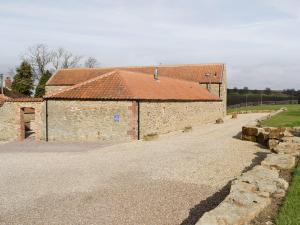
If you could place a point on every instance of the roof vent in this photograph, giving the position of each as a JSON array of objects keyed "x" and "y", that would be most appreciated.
[{"x": 156, "y": 73}]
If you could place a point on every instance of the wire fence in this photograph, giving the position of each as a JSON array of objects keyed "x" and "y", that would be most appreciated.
[{"x": 246, "y": 104}]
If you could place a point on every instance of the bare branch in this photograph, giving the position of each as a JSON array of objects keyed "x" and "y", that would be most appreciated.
[
  {"x": 64, "y": 59},
  {"x": 39, "y": 57},
  {"x": 91, "y": 62}
]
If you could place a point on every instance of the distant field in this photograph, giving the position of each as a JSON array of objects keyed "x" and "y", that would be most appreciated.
[
  {"x": 234, "y": 98},
  {"x": 258, "y": 107},
  {"x": 290, "y": 118}
]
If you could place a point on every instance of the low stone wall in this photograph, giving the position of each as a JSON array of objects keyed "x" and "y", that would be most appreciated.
[
  {"x": 10, "y": 120},
  {"x": 254, "y": 191}
]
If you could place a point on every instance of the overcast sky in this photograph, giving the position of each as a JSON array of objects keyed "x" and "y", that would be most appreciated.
[{"x": 259, "y": 40}]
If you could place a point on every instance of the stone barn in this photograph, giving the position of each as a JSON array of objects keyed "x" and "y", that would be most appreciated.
[{"x": 120, "y": 104}]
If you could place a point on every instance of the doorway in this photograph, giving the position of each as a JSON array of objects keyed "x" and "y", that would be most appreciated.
[{"x": 27, "y": 123}]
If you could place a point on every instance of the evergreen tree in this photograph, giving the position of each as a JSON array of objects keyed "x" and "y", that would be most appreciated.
[
  {"x": 23, "y": 80},
  {"x": 40, "y": 89}
]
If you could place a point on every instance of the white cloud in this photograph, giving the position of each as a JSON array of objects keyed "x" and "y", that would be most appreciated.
[{"x": 258, "y": 39}]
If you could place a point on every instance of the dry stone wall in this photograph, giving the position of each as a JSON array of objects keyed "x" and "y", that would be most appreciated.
[
  {"x": 255, "y": 190},
  {"x": 91, "y": 120},
  {"x": 164, "y": 117}
]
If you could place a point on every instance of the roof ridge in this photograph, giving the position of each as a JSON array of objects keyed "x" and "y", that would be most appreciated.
[
  {"x": 148, "y": 66},
  {"x": 82, "y": 83},
  {"x": 129, "y": 92},
  {"x": 159, "y": 77}
]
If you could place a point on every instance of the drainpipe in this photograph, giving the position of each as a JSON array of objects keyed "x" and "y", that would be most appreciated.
[
  {"x": 138, "y": 121},
  {"x": 46, "y": 120},
  {"x": 1, "y": 78}
]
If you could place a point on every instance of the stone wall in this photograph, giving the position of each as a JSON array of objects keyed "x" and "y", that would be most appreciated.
[
  {"x": 219, "y": 90},
  {"x": 164, "y": 117},
  {"x": 11, "y": 120},
  {"x": 104, "y": 120},
  {"x": 91, "y": 120},
  {"x": 52, "y": 89},
  {"x": 224, "y": 89}
]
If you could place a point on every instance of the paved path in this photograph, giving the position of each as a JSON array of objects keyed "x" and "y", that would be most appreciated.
[{"x": 137, "y": 183}]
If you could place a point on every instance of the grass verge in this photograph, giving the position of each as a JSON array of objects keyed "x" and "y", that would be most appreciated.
[
  {"x": 289, "y": 214},
  {"x": 258, "y": 108},
  {"x": 290, "y": 118}
]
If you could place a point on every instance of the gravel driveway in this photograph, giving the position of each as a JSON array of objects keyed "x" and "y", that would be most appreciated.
[{"x": 137, "y": 183}]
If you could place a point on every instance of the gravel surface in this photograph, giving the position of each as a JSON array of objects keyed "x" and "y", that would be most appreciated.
[{"x": 138, "y": 183}]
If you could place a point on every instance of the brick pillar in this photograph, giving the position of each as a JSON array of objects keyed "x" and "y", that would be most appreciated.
[{"x": 133, "y": 121}]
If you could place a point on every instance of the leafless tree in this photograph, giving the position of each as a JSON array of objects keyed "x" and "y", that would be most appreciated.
[
  {"x": 91, "y": 62},
  {"x": 11, "y": 72},
  {"x": 62, "y": 58},
  {"x": 39, "y": 57}
]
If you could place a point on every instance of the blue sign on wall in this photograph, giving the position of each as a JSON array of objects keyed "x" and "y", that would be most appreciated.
[{"x": 117, "y": 117}]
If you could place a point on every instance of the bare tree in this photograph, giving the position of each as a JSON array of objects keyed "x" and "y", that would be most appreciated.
[
  {"x": 62, "y": 58},
  {"x": 91, "y": 62},
  {"x": 39, "y": 57}
]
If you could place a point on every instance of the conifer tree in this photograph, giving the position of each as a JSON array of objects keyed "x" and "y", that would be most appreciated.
[
  {"x": 40, "y": 89},
  {"x": 23, "y": 80}
]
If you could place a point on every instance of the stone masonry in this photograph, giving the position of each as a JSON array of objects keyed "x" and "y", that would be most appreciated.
[
  {"x": 164, "y": 117},
  {"x": 90, "y": 120},
  {"x": 105, "y": 120},
  {"x": 11, "y": 120}
]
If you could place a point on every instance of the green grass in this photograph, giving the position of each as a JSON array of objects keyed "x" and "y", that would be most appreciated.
[
  {"x": 258, "y": 107},
  {"x": 290, "y": 118},
  {"x": 289, "y": 213}
]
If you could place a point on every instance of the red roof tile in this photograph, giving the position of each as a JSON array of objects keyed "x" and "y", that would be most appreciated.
[
  {"x": 11, "y": 94},
  {"x": 186, "y": 72},
  {"x": 125, "y": 85},
  {"x": 24, "y": 100}
]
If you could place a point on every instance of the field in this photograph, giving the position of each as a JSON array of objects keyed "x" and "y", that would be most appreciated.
[
  {"x": 290, "y": 118},
  {"x": 240, "y": 97}
]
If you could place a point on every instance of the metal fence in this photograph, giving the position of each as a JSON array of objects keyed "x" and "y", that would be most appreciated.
[{"x": 283, "y": 102}]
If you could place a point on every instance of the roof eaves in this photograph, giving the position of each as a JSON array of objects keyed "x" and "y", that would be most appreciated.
[{"x": 135, "y": 99}]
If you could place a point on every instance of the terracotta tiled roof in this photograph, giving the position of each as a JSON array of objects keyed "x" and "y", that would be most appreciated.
[
  {"x": 24, "y": 100},
  {"x": 2, "y": 99},
  {"x": 11, "y": 94},
  {"x": 186, "y": 72},
  {"x": 126, "y": 85}
]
